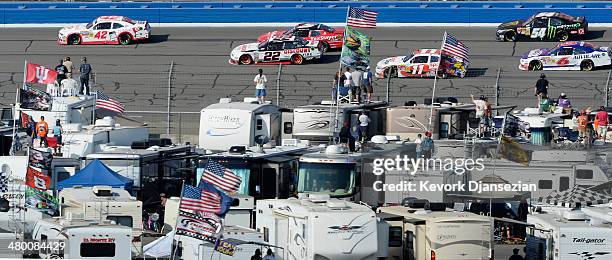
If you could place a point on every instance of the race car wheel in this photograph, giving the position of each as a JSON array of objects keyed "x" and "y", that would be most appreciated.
[
  {"x": 535, "y": 65},
  {"x": 125, "y": 39},
  {"x": 587, "y": 65},
  {"x": 297, "y": 59},
  {"x": 510, "y": 36},
  {"x": 391, "y": 71},
  {"x": 324, "y": 47},
  {"x": 74, "y": 39},
  {"x": 562, "y": 36},
  {"x": 245, "y": 59}
]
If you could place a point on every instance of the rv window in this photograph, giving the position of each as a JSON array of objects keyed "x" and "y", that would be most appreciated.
[
  {"x": 122, "y": 220},
  {"x": 395, "y": 236},
  {"x": 545, "y": 184},
  {"x": 259, "y": 124},
  {"x": 62, "y": 176},
  {"x": 98, "y": 250},
  {"x": 43, "y": 237},
  {"x": 288, "y": 128},
  {"x": 564, "y": 183},
  {"x": 584, "y": 174}
]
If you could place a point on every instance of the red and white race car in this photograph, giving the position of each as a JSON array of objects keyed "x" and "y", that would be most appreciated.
[
  {"x": 106, "y": 30},
  {"x": 422, "y": 63},
  {"x": 292, "y": 50},
  {"x": 330, "y": 38}
]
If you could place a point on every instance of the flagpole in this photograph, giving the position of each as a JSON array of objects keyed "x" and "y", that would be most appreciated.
[
  {"x": 433, "y": 92},
  {"x": 16, "y": 109},
  {"x": 176, "y": 222},
  {"x": 335, "y": 125}
]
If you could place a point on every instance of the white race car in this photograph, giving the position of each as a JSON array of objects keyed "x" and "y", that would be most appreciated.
[
  {"x": 566, "y": 56},
  {"x": 422, "y": 63},
  {"x": 106, "y": 30},
  {"x": 292, "y": 50}
]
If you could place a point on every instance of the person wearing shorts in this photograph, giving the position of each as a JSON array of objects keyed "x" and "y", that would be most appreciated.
[
  {"x": 260, "y": 86},
  {"x": 602, "y": 118},
  {"x": 367, "y": 84}
]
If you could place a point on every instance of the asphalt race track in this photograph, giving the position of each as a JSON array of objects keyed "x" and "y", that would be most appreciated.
[{"x": 138, "y": 74}]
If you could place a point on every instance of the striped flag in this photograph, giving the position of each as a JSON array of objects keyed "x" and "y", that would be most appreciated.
[
  {"x": 197, "y": 199},
  {"x": 361, "y": 18},
  {"x": 221, "y": 177},
  {"x": 105, "y": 102},
  {"x": 454, "y": 47}
]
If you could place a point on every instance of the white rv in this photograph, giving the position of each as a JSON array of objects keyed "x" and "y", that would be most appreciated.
[
  {"x": 69, "y": 110},
  {"x": 228, "y": 124},
  {"x": 570, "y": 236},
  {"x": 246, "y": 241},
  {"x": 83, "y": 239},
  {"x": 419, "y": 234},
  {"x": 103, "y": 203},
  {"x": 318, "y": 227}
]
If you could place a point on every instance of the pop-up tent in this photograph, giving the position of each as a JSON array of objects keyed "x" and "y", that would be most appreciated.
[{"x": 97, "y": 174}]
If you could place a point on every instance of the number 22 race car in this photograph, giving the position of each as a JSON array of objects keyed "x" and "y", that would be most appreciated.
[
  {"x": 566, "y": 56},
  {"x": 330, "y": 38},
  {"x": 106, "y": 30},
  {"x": 292, "y": 50}
]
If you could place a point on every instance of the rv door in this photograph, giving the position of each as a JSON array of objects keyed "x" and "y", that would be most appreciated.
[{"x": 262, "y": 126}]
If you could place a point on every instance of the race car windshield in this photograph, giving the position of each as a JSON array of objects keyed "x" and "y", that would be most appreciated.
[
  {"x": 530, "y": 19},
  {"x": 128, "y": 20},
  {"x": 289, "y": 32},
  {"x": 301, "y": 42},
  {"x": 262, "y": 45},
  {"x": 89, "y": 25},
  {"x": 326, "y": 28},
  {"x": 407, "y": 57}
]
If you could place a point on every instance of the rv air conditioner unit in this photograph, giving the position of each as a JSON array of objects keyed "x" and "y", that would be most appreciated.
[
  {"x": 251, "y": 100},
  {"x": 140, "y": 145},
  {"x": 237, "y": 150},
  {"x": 225, "y": 100},
  {"x": 107, "y": 121},
  {"x": 574, "y": 215},
  {"x": 414, "y": 203},
  {"x": 435, "y": 206}
]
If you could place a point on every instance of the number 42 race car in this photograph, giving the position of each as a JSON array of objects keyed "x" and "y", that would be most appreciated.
[
  {"x": 106, "y": 30},
  {"x": 292, "y": 50},
  {"x": 566, "y": 56}
]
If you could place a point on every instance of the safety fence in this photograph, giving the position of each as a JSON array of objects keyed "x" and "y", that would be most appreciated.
[{"x": 294, "y": 11}]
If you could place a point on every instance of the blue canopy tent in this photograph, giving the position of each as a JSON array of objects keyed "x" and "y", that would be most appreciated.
[{"x": 97, "y": 174}]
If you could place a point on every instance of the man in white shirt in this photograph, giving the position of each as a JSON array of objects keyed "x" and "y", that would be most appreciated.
[
  {"x": 357, "y": 77},
  {"x": 348, "y": 78},
  {"x": 70, "y": 86},
  {"x": 364, "y": 121},
  {"x": 260, "y": 86}
]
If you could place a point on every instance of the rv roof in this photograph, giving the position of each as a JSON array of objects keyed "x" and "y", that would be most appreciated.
[
  {"x": 349, "y": 106},
  {"x": 303, "y": 206},
  {"x": 125, "y": 152},
  {"x": 267, "y": 153},
  {"x": 435, "y": 216},
  {"x": 239, "y": 106},
  {"x": 555, "y": 220},
  {"x": 63, "y": 222},
  {"x": 85, "y": 194}
]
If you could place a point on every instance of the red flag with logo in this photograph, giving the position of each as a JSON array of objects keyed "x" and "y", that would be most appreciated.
[
  {"x": 39, "y": 74},
  {"x": 37, "y": 179}
]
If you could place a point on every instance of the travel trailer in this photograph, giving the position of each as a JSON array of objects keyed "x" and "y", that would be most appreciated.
[
  {"x": 226, "y": 124},
  {"x": 83, "y": 239},
  {"x": 570, "y": 236},
  {"x": 439, "y": 233},
  {"x": 103, "y": 203},
  {"x": 318, "y": 227},
  {"x": 317, "y": 122}
]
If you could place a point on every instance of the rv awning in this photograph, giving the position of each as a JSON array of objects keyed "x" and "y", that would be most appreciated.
[{"x": 576, "y": 196}]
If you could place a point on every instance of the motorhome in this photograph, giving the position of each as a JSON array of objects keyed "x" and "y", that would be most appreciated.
[
  {"x": 103, "y": 203},
  {"x": 318, "y": 227},
  {"x": 439, "y": 233},
  {"x": 239, "y": 214},
  {"x": 570, "y": 236},
  {"x": 69, "y": 110},
  {"x": 248, "y": 124},
  {"x": 83, "y": 239},
  {"x": 246, "y": 241},
  {"x": 320, "y": 122}
]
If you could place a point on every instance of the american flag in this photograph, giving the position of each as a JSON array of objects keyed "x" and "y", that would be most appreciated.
[
  {"x": 361, "y": 18},
  {"x": 197, "y": 199},
  {"x": 454, "y": 47},
  {"x": 221, "y": 177},
  {"x": 105, "y": 102}
]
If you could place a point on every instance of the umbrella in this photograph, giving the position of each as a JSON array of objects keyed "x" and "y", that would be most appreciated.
[{"x": 576, "y": 196}]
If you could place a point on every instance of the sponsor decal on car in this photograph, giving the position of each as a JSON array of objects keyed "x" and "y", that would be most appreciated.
[{"x": 299, "y": 50}]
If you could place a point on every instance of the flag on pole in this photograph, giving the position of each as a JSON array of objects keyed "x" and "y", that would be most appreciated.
[
  {"x": 105, "y": 102},
  {"x": 198, "y": 199},
  {"x": 203, "y": 227},
  {"x": 221, "y": 177},
  {"x": 453, "y": 47},
  {"x": 36, "y": 73},
  {"x": 361, "y": 18}
]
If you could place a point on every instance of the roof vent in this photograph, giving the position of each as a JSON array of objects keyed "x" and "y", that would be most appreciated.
[
  {"x": 336, "y": 149},
  {"x": 251, "y": 100},
  {"x": 574, "y": 215},
  {"x": 318, "y": 197},
  {"x": 337, "y": 204}
]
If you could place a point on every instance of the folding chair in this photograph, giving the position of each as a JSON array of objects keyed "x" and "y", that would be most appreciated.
[
  {"x": 52, "y": 89},
  {"x": 473, "y": 127},
  {"x": 344, "y": 94}
]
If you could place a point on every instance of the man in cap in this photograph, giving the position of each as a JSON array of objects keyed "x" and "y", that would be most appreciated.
[
  {"x": 85, "y": 70},
  {"x": 541, "y": 87}
]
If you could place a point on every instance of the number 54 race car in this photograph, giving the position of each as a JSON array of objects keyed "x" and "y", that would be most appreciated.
[
  {"x": 422, "y": 63},
  {"x": 566, "y": 56},
  {"x": 547, "y": 25},
  {"x": 106, "y": 30},
  {"x": 276, "y": 51}
]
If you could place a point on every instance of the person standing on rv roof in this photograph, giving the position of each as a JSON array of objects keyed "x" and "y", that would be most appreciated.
[
  {"x": 418, "y": 142},
  {"x": 42, "y": 128},
  {"x": 69, "y": 67},
  {"x": 367, "y": 84},
  {"x": 348, "y": 80},
  {"x": 346, "y": 137},
  {"x": 541, "y": 87},
  {"x": 257, "y": 255},
  {"x": 61, "y": 72},
  {"x": 564, "y": 103},
  {"x": 269, "y": 255},
  {"x": 260, "y": 86},
  {"x": 582, "y": 121},
  {"x": 57, "y": 133},
  {"x": 357, "y": 77},
  {"x": 85, "y": 70},
  {"x": 481, "y": 111},
  {"x": 602, "y": 118},
  {"x": 364, "y": 121},
  {"x": 427, "y": 145}
]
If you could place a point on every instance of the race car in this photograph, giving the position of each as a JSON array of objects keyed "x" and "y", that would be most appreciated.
[
  {"x": 105, "y": 30},
  {"x": 329, "y": 37},
  {"x": 422, "y": 63},
  {"x": 548, "y": 25},
  {"x": 293, "y": 50},
  {"x": 566, "y": 56}
]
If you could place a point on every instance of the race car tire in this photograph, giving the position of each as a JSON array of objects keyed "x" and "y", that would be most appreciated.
[
  {"x": 125, "y": 39},
  {"x": 391, "y": 71},
  {"x": 535, "y": 65},
  {"x": 245, "y": 59},
  {"x": 324, "y": 47},
  {"x": 510, "y": 36},
  {"x": 562, "y": 36},
  {"x": 297, "y": 59},
  {"x": 74, "y": 39},
  {"x": 587, "y": 65}
]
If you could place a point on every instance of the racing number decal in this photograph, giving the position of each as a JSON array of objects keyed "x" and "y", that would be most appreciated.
[
  {"x": 418, "y": 69},
  {"x": 538, "y": 32},
  {"x": 272, "y": 56},
  {"x": 101, "y": 35}
]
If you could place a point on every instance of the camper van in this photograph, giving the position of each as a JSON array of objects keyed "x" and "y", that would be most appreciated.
[
  {"x": 570, "y": 236},
  {"x": 248, "y": 123},
  {"x": 440, "y": 233},
  {"x": 103, "y": 203},
  {"x": 318, "y": 227},
  {"x": 83, "y": 239},
  {"x": 317, "y": 123}
]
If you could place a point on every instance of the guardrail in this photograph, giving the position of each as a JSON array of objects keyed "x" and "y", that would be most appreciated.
[{"x": 289, "y": 12}]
